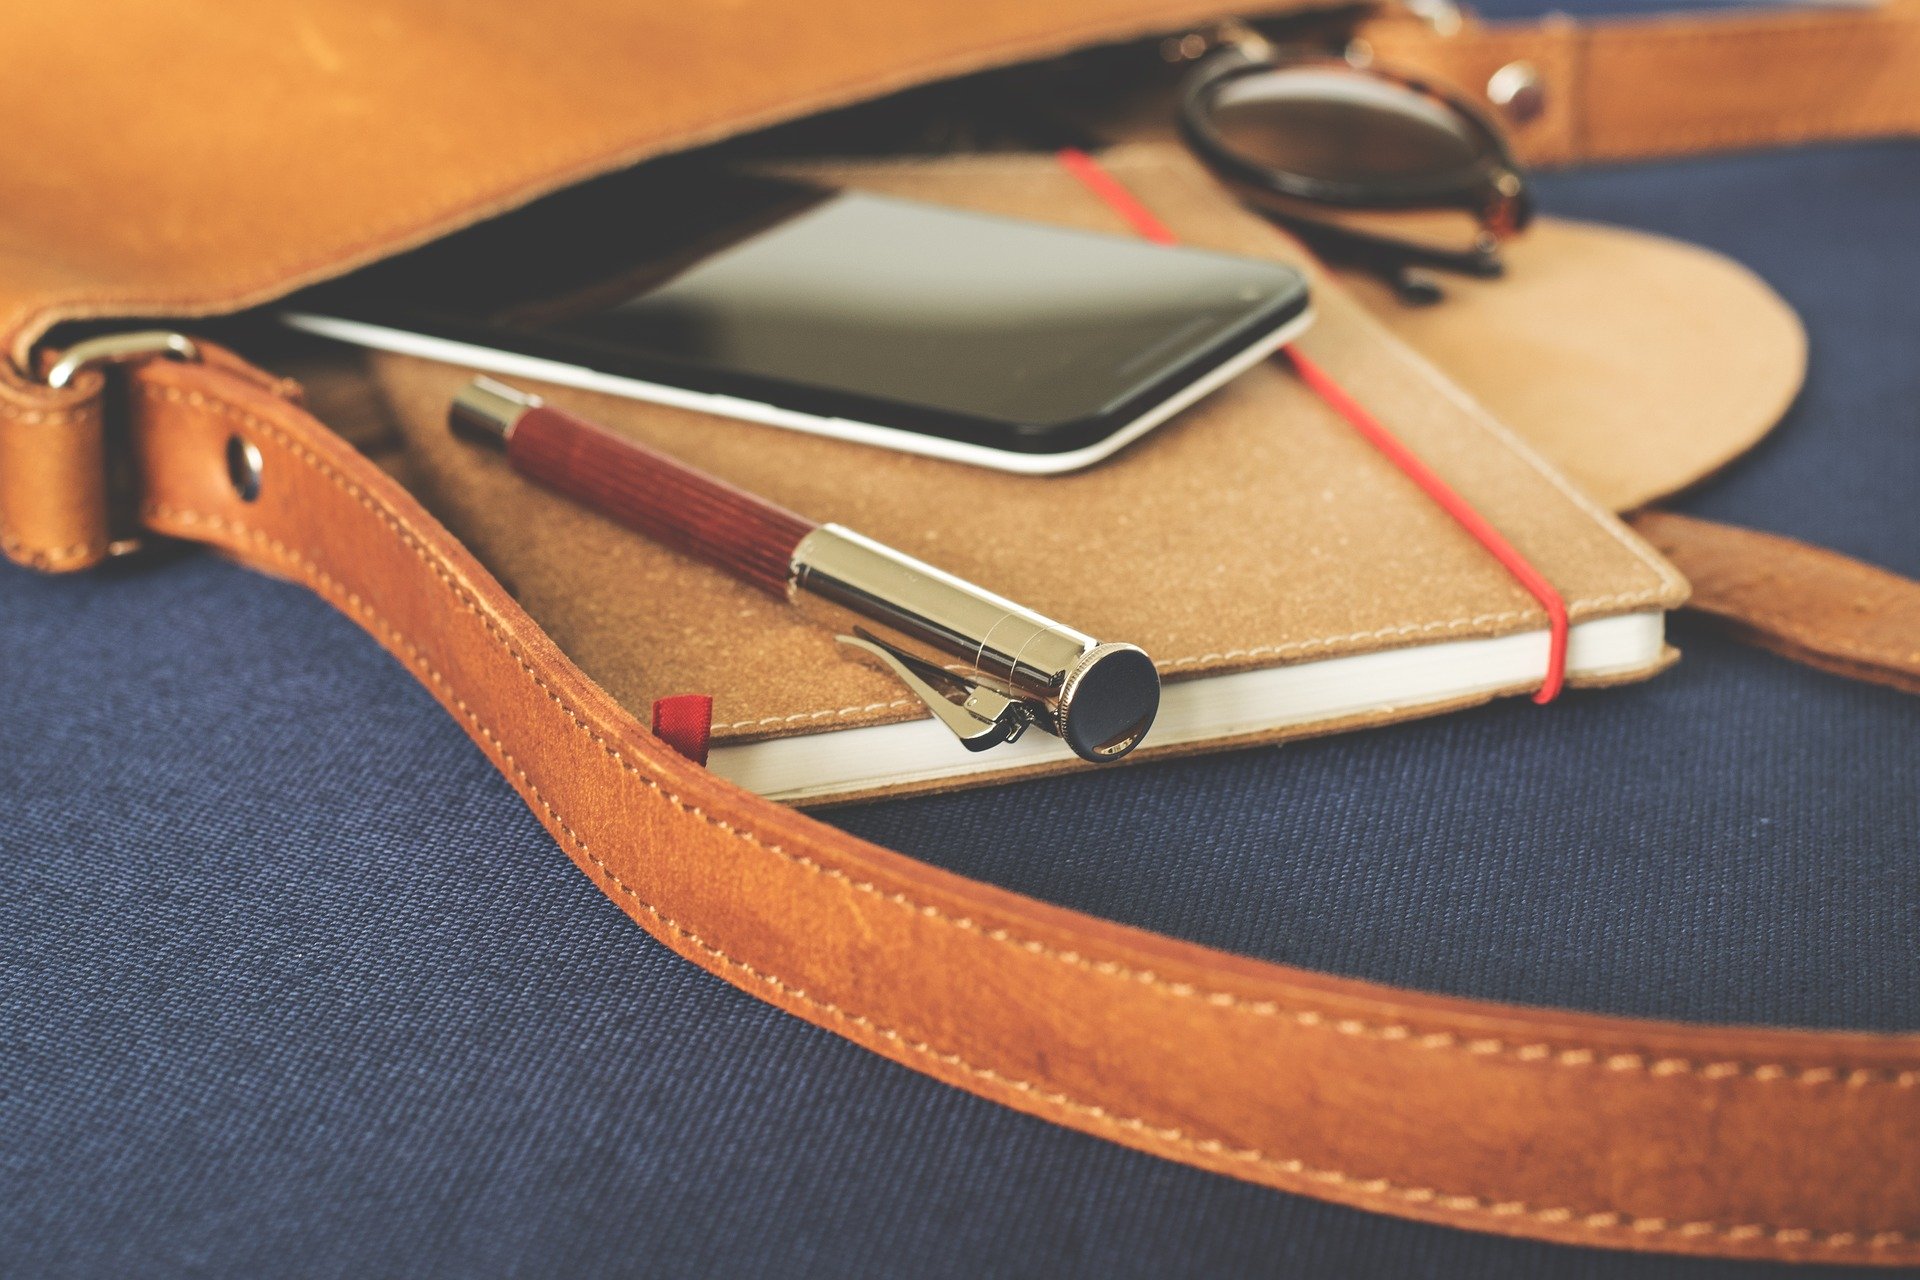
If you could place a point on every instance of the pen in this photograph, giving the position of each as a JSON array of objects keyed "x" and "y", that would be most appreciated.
[{"x": 987, "y": 668}]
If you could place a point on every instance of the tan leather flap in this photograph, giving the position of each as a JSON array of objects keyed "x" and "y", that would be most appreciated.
[{"x": 197, "y": 157}]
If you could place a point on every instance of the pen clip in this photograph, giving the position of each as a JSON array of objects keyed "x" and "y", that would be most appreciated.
[{"x": 978, "y": 716}]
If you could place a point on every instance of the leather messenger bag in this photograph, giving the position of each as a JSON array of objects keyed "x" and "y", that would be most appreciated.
[{"x": 151, "y": 173}]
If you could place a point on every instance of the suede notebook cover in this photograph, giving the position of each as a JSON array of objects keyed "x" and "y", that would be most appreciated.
[{"x": 1256, "y": 530}]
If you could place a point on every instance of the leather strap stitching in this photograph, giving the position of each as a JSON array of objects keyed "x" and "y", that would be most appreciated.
[
  {"x": 42, "y": 417},
  {"x": 1576, "y": 1056},
  {"x": 1379, "y": 1188},
  {"x": 23, "y": 550},
  {"x": 18, "y": 549}
]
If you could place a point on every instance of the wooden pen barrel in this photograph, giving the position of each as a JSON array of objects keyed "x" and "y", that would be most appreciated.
[{"x": 659, "y": 496}]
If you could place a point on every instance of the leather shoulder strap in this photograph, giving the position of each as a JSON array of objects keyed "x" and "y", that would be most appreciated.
[
  {"x": 1567, "y": 1127},
  {"x": 1803, "y": 602},
  {"x": 1673, "y": 85}
]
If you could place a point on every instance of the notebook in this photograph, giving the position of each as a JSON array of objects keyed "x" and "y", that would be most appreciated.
[{"x": 1287, "y": 578}]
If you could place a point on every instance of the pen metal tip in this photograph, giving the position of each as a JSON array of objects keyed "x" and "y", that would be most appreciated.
[{"x": 486, "y": 409}]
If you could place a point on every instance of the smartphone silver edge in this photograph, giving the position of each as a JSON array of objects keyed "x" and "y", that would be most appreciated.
[{"x": 491, "y": 360}]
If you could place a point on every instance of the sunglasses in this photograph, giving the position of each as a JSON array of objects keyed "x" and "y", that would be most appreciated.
[{"x": 1369, "y": 168}]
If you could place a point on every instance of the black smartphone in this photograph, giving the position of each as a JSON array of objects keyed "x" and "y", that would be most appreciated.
[{"x": 981, "y": 339}]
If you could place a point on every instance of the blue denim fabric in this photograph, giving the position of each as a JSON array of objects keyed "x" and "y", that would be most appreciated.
[
  {"x": 291, "y": 983},
  {"x": 1734, "y": 841}
]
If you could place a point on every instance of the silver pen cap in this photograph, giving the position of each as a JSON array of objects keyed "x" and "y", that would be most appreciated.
[{"x": 994, "y": 664}]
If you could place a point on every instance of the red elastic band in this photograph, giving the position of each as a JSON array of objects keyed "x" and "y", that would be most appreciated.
[
  {"x": 1143, "y": 220},
  {"x": 685, "y": 723},
  {"x": 1454, "y": 505},
  {"x": 1123, "y": 202}
]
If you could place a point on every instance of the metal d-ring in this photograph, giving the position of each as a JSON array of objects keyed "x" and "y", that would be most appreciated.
[{"x": 118, "y": 348}]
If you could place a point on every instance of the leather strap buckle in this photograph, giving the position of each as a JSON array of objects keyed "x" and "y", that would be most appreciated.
[{"x": 115, "y": 480}]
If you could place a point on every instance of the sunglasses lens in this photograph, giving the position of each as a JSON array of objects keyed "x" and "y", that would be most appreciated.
[{"x": 1335, "y": 124}]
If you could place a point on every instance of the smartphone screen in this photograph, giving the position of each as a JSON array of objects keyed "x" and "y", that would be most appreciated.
[{"x": 1000, "y": 332}]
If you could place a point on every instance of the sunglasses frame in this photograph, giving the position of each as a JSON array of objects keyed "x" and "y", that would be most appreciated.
[{"x": 1491, "y": 188}]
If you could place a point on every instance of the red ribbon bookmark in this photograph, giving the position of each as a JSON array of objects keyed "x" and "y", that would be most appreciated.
[
  {"x": 1148, "y": 224},
  {"x": 685, "y": 723}
]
